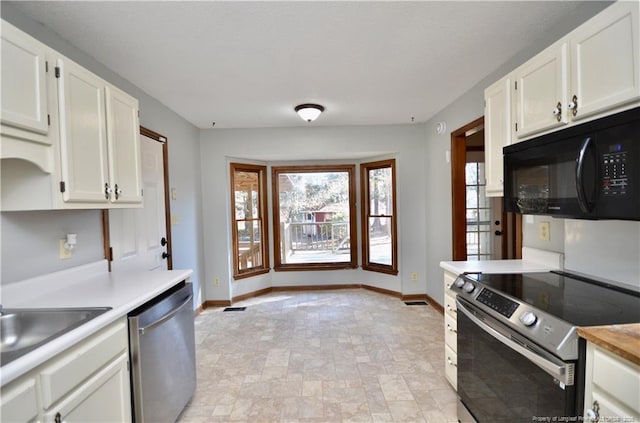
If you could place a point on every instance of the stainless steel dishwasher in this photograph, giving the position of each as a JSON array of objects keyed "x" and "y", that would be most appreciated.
[{"x": 162, "y": 349}]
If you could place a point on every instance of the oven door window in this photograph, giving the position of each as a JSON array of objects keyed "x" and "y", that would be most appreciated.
[{"x": 498, "y": 385}]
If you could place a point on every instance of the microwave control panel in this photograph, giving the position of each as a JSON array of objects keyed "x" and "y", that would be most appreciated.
[{"x": 615, "y": 178}]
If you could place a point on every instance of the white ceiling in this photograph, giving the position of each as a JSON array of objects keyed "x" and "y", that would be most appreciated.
[{"x": 247, "y": 64}]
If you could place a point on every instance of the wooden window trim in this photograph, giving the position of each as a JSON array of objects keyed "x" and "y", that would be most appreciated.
[
  {"x": 264, "y": 230},
  {"x": 353, "y": 262},
  {"x": 364, "y": 192}
]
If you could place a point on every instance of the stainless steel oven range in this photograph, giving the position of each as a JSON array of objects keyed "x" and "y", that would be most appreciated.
[{"x": 519, "y": 355}]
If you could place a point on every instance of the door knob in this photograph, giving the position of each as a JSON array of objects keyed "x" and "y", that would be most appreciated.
[
  {"x": 163, "y": 241},
  {"x": 498, "y": 233},
  {"x": 165, "y": 255}
]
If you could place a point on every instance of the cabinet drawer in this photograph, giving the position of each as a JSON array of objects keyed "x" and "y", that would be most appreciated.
[
  {"x": 19, "y": 402},
  {"x": 451, "y": 332},
  {"x": 450, "y": 305},
  {"x": 451, "y": 366},
  {"x": 81, "y": 361},
  {"x": 617, "y": 377}
]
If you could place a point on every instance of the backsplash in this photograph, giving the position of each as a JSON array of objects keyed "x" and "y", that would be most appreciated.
[
  {"x": 606, "y": 249},
  {"x": 603, "y": 249},
  {"x": 30, "y": 241}
]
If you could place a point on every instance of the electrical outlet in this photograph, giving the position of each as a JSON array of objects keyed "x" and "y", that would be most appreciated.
[
  {"x": 544, "y": 231},
  {"x": 216, "y": 281},
  {"x": 414, "y": 276},
  {"x": 64, "y": 253}
]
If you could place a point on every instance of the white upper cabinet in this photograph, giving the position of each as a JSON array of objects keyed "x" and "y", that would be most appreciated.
[
  {"x": 83, "y": 135},
  {"x": 605, "y": 59},
  {"x": 80, "y": 132},
  {"x": 123, "y": 135},
  {"x": 26, "y": 128},
  {"x": 497, "y": 133},
  {"x": 541, "y": 92},
  {"x": 99, "y": 140}
]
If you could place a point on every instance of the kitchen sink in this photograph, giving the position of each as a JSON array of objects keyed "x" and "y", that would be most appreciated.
[{"x": 23, "y": 330}]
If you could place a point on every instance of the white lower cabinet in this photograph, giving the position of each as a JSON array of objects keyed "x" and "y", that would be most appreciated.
[
  {"x": 102, "y": 398},
  {"x": 87, "y": 383},
  {"x": 450, "y": 331},
  {"x": 20, "y": 402},
  {"x": 612, "y": 387}
]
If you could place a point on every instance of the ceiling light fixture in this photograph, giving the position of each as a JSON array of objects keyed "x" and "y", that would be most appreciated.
[{"x": 309, "y": 112}]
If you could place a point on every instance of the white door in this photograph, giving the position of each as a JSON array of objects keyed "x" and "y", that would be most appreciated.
[{"x": 137, "y": 235}]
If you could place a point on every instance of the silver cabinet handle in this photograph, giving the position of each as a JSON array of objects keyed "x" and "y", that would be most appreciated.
[
  {"x": 573, "y": 105},
  {"x": 118, "y": 191},
  {"x": 450, "y": 329},
  {"x": 107, "y": 191},
  {"x": 451, "y": 363},
  {"x": 557, "y": 112}
]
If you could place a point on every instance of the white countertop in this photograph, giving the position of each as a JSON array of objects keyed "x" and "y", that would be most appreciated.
[
  {"x": 84, "y": 286},
  {"x": 494, "y": 266},
  {"x": 533, "y": 260}
]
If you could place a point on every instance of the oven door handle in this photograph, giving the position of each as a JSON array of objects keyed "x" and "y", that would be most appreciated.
[{"x": 563, "y": 372}]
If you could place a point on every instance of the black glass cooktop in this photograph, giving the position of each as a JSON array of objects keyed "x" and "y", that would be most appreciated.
[{"x": 579, "y": 301}]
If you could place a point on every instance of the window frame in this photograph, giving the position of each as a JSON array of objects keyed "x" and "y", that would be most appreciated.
[
  {"x": 365, "y": 168},
  {"x": 353, "y": 262},
  {"x": 262, "y": 218}
]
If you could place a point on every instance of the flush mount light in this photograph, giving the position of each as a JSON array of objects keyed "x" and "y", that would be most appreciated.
[{"x": 309, "y": 112}]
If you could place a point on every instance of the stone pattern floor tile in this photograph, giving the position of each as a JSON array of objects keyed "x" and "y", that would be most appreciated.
[{"x": 348, "y": 355}]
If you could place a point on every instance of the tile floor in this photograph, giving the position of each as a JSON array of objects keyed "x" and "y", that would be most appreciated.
[{"x": 321, "y": 356}]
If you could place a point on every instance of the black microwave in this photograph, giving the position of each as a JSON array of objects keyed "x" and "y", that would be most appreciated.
[{"x": 589, "y": 171}]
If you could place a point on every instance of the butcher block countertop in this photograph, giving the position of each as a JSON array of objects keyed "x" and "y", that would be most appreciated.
[{"x": 623, "y": 340}]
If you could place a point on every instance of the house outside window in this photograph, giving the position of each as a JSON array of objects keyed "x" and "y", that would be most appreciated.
[
  {"x": 249, "y": 230},
  {"x": 379, "y": 222},
  {"x": 314, "y": 217}
]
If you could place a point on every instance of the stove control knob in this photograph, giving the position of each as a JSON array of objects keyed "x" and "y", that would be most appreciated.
[
  {"x": 459, "y": 282},
  {"x": 528, "y": 318},
  {"x": 469, "y": 287}
]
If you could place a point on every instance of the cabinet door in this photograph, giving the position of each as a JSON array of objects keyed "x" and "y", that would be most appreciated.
[
  {"x": 105, "y": 397},
  {"x": 19, "y": 402},
  {"x": 605, "y": 60},
  {"x": 83, "y": 135},
  {"x": 24, "y": 82},
  {"x": 497, "y": 133},
  {"x": 123, "y": 134},
  {"x": 541, "y": 92}
]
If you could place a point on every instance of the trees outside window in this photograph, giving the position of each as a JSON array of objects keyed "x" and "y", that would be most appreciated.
[
  {"x": 249, "y": 231},
  {"x": 314, "y": 217},
  {"x": 379, "y": 244}
]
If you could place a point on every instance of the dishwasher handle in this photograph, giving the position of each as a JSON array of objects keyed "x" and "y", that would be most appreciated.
[{"x": 166, "y": 317}]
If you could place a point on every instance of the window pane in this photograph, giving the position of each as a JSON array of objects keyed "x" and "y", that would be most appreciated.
[
  {"x": 249, "y": 246},
  {"x": 380, "y": 193},
  {"x": 314, "y": 217},
  {"x": 380, "y": 240},
  {"x": 246, "y": 185}
]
